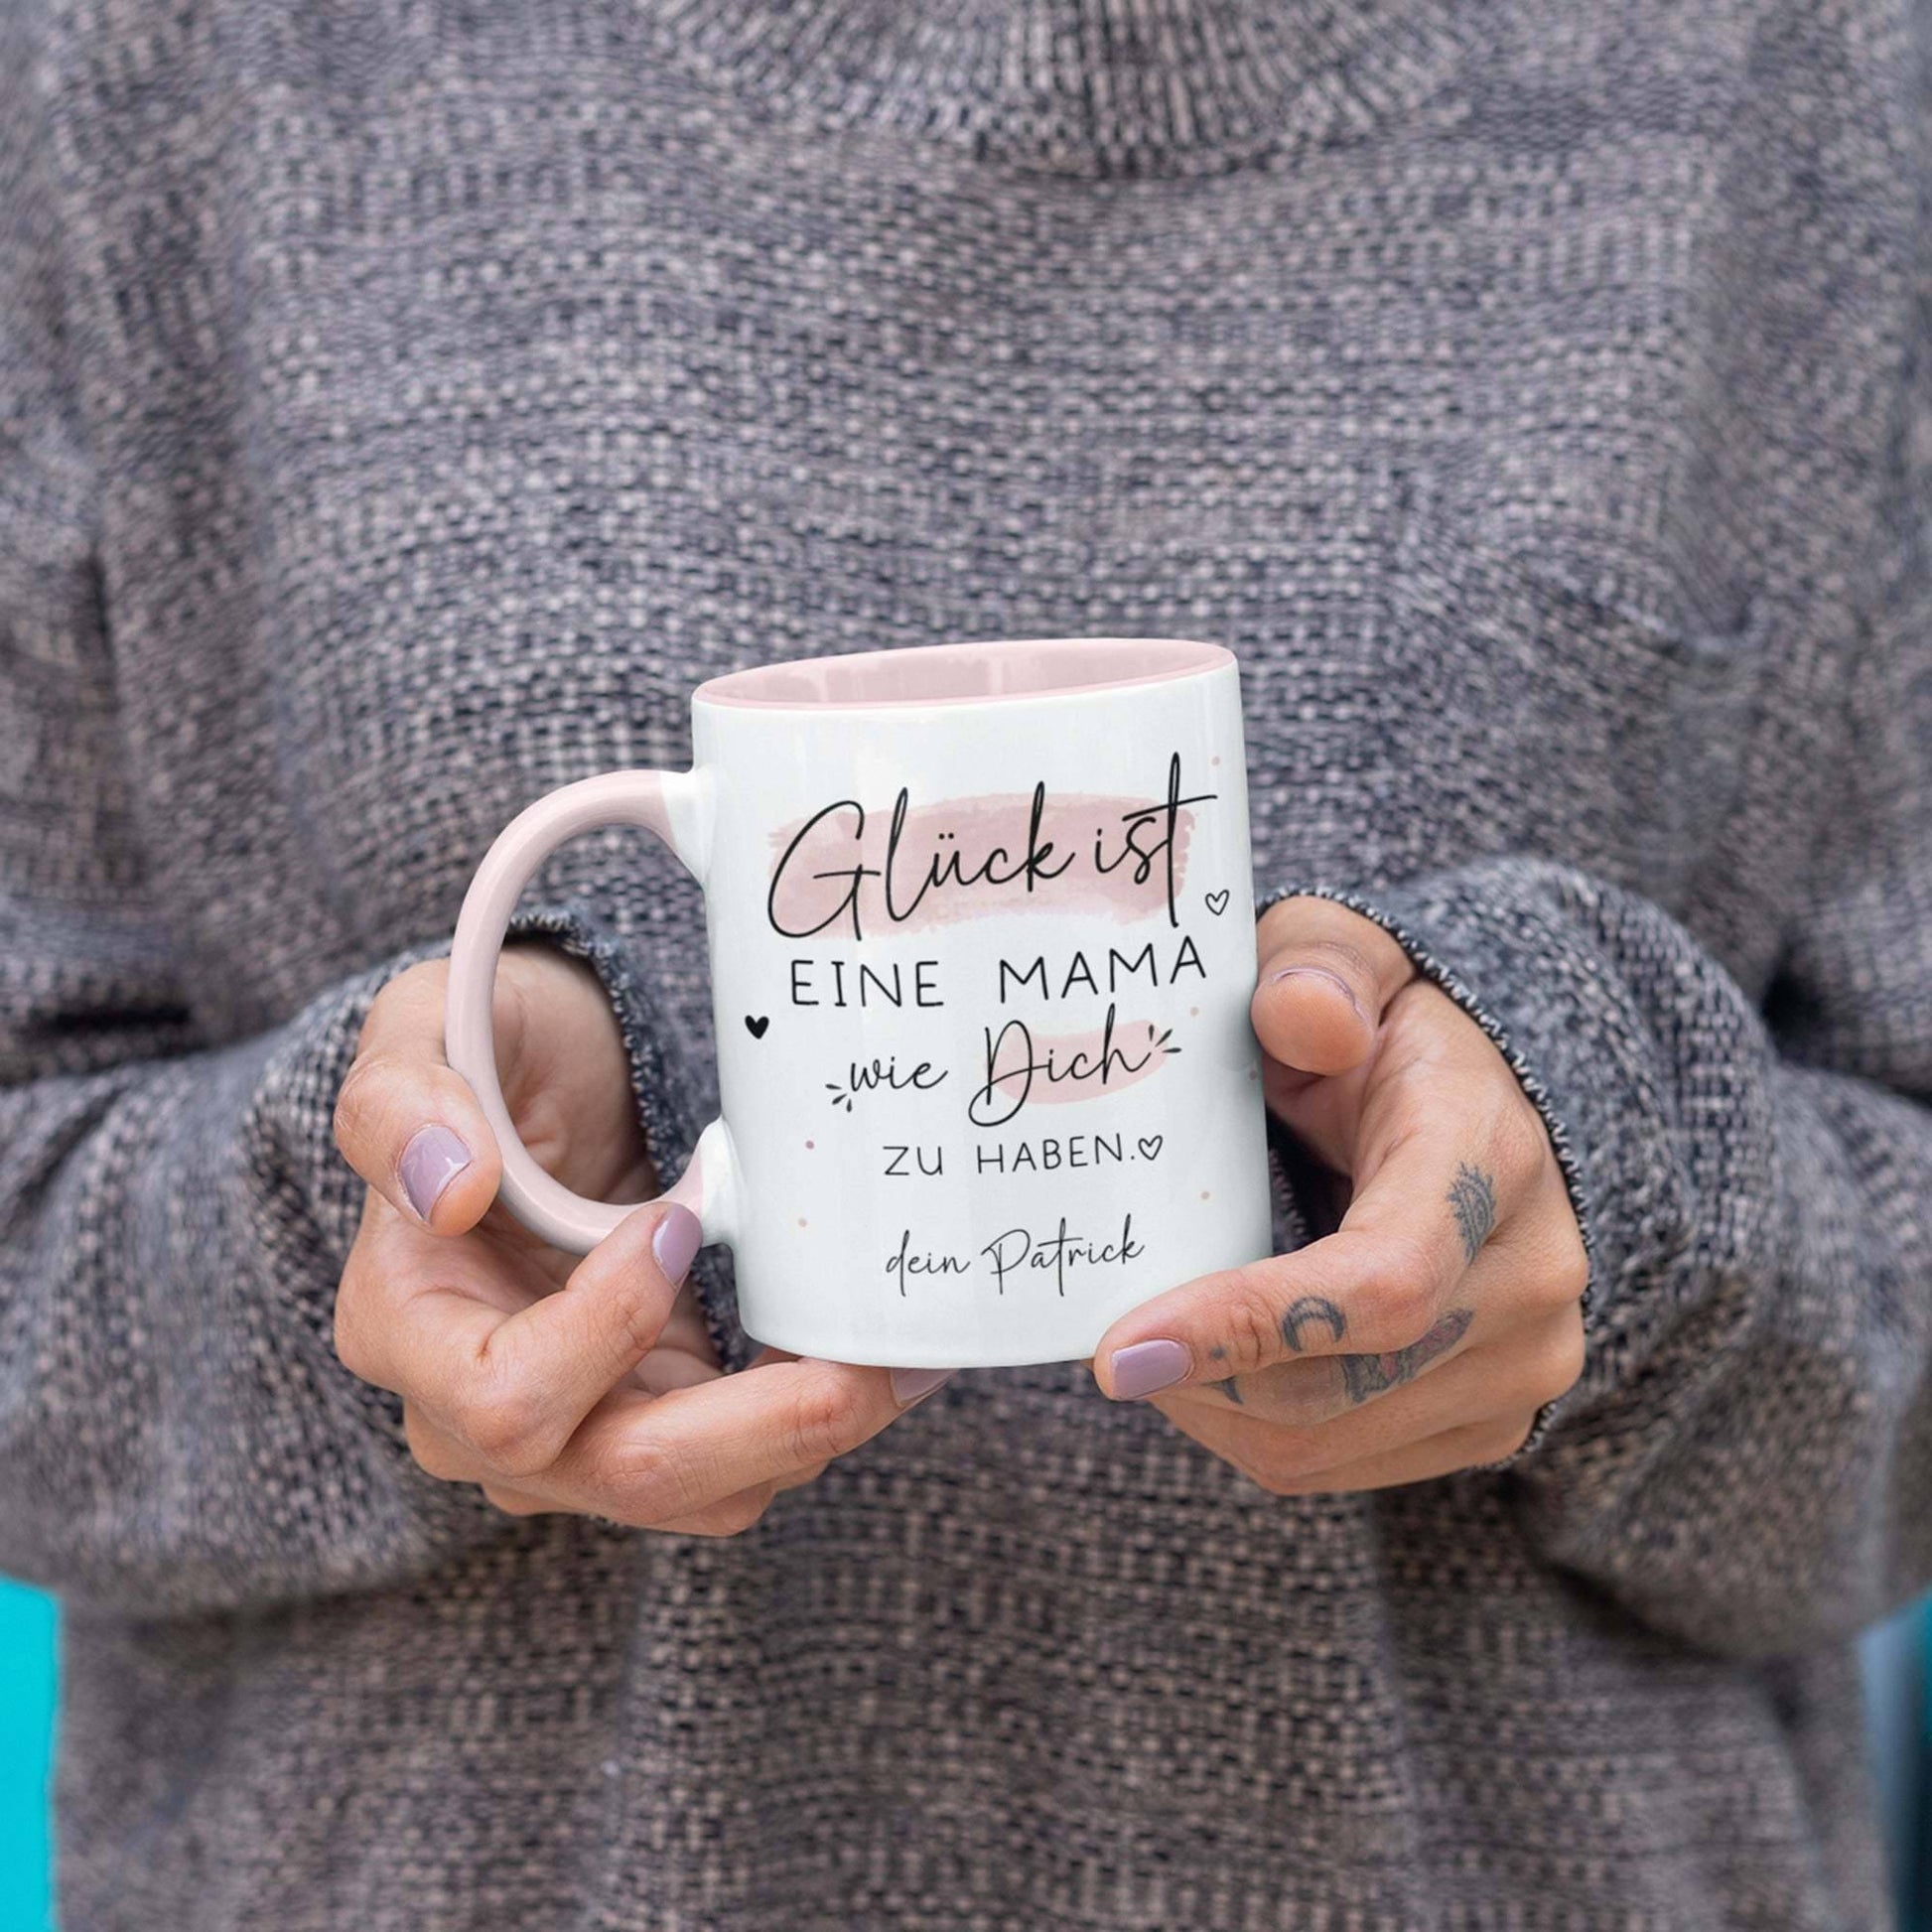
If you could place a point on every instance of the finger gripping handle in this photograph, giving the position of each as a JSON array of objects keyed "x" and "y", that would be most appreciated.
[{"x": 669, "y": 803}]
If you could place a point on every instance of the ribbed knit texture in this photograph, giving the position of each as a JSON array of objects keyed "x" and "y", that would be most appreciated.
[{"x": 403, "y": 404}]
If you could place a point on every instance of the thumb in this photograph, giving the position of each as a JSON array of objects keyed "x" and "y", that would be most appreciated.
[{"x": 1327, "y": 976}]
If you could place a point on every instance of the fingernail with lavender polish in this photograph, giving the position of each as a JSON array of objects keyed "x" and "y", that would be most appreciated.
[
  {"x": 1323, "y": 974},
  {"x": 678, "y": 1238},
  {"x": 1146, "y": 1368},
  {"x": 432, "y": 1159},
  {"x": 909, "y": 1384}
]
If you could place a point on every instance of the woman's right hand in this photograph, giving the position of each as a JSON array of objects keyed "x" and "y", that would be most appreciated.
[{"x": 558, "y": 1384}]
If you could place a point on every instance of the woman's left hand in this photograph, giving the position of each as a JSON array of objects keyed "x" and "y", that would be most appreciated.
[{"x": 1427, "y": 1333}]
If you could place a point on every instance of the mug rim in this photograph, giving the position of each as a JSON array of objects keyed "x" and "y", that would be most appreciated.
[{"x": 1112, "y": 666}]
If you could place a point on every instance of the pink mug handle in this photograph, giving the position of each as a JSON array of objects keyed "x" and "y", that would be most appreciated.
[{"x": 673, "y": 805}]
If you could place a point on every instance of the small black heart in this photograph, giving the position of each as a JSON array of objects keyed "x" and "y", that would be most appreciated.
[
  {"x": 1150, "y": 1146},
  {"x": 1217, "y": 902},
  {"x": 755, "y": 1025}
]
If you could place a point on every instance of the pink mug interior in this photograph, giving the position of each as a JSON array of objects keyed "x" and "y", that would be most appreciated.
[{"x": 928, "y": 674}]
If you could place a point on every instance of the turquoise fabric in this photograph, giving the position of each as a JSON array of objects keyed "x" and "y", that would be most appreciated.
[
  {"x": 1918, "y": 1860},
  {"x": 1895, "y": 1680},
  {"x": 26, "y": 1726}
]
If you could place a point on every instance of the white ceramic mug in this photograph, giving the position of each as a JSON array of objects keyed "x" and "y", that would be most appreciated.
[{"x": 981, "y": 922}]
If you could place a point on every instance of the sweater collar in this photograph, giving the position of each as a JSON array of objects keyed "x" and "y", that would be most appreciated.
[{"x": 1095, "y": 87}]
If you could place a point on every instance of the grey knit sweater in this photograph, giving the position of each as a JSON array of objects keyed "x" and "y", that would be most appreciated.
[{"x": 404, "y": 402}]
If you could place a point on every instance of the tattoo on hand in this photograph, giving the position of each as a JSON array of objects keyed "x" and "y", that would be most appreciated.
[
  {"x": 1371, "y": 1375},
  {"x": 1312, "y": 1307},
  {"x": 1231, "y": 1389},
  {"x": 1472, "y": 1196}
]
